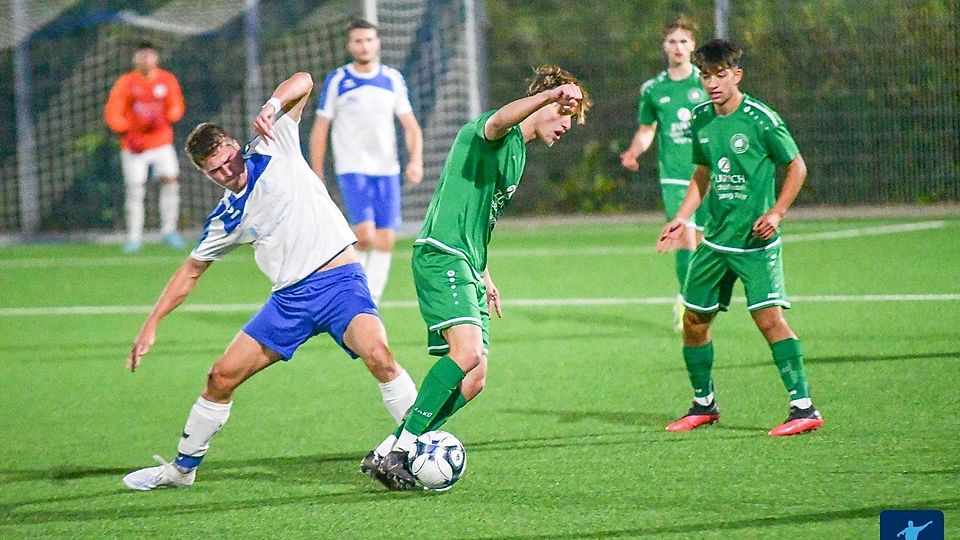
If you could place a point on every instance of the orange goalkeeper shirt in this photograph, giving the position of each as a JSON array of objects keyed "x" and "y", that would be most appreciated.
[{"x": 142, "y": 109}]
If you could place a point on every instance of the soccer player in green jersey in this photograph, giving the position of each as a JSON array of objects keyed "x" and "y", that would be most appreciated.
[
  {"x": 666, "y": 102},
  {"x": 454, "y": 288},
  {"x": 737, "y": 144}
]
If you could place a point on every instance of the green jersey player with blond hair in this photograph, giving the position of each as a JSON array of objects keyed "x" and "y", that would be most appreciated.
[
  {"x": 738, "y": 142},
  {"x": 664, "y": 113},
  {"x": 453, "y": 284}
]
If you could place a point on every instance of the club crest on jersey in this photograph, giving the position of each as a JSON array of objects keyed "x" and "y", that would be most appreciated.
[
  {"x": 739, "y": 143},
  {"x": 724, "y": 165},
  {"x": 696, "y": 95},
  {"x": 159, "y": 91},
  {"x": 683, "y": 114}
]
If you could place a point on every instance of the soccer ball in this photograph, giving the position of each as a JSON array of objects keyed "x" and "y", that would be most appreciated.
[{"x": 438, "y": 460}]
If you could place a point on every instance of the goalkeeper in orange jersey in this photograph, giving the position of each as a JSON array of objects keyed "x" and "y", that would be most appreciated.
[{"x": 142, "y": 107}]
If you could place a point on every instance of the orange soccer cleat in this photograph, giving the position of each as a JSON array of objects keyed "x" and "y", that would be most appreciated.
[
  {"x": 799, "y": 421},
  {"x": 698, "y": 415}
]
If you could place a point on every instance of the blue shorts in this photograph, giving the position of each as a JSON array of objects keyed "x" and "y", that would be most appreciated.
[
  {"x": 321, "y": 302},
  {"x": 371, "y": 198}
]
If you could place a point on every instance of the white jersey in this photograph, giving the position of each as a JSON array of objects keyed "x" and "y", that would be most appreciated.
[
  {"x": 361, "y": 108},
  {"x": 284, "y": 211}
]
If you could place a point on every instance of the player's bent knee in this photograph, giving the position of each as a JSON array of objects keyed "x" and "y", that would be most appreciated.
[
  {"x": 221, "y": 381},
  {"x": 379, "y": 360}
]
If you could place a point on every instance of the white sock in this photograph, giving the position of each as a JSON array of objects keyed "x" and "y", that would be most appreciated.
[
  {"x": 802, "y": 403},
  {"x": 134, "y": 207},
  {"x": 386, "y": 446},
  {"x": 399, "y": 395},
  {"x": 363, "y": 256},
  {"x": 705, "y": 401},
  {"x": 378, "y": 268},
  {"x": 405, "y": 442},
  {"x": 205, "y": 420},
  {"x": 169, "y": 207}
]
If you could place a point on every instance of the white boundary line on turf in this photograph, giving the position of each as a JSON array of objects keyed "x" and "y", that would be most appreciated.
[
  {"x": 130, "y": 260},
  {"x": 519, "y": 302}
]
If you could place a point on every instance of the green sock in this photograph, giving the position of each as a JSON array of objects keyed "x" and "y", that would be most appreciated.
[
  {"x": 683, "y": 264},
  {"x": 439, "y": 384},
  {"x": 454, "y": 403},
  {"x": 699, "y": 365},
  {"x": 788, "y": 356}
]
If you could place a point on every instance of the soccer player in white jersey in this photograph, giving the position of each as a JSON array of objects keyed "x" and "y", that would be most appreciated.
[
  {"x": 303, "y": 244},
  {"x": 359, "y": 100}
]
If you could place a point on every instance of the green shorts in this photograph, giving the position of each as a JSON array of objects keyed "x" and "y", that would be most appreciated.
[
  {"x": 712, "y": 274},
  {"x": 449, "y": 292},
  {"x": 672, "y": 195}
]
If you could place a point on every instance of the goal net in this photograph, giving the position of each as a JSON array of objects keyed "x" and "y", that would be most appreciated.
[{"x": 74, "y": 57}]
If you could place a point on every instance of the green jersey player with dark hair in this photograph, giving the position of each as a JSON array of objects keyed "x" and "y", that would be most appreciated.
[
  {"x": 454, "y": 288},
  {"x": 664, "y": 113},
  {"x": 738, "y": 142}
]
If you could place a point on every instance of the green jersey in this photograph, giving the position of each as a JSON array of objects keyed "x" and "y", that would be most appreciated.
[
  {"x": 669, "y": 103},
  {"x": 742, "y": 150},
  {"x": 478, "y": 179}
]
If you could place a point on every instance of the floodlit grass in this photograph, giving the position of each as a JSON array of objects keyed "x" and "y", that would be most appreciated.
[{"x": 567, "y": 440}]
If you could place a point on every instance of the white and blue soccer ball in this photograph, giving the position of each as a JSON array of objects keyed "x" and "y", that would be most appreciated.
[{"x": 438, "y": 460}]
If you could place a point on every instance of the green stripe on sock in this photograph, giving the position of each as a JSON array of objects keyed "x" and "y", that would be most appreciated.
[
  {"x": 699, "y": 367},
  {"x": 788, "y": 356}
]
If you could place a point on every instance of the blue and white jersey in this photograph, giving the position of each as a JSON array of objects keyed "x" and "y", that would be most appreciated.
[
  {"x": 284, "y": 211},
  {"x": 361, "y": 108}
]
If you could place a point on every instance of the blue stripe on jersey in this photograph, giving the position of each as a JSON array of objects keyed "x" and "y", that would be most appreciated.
[
  {"x": 321, "y": 103},
  {"x": 351, "y": 82},
  {"x": 230, "y": 211}
]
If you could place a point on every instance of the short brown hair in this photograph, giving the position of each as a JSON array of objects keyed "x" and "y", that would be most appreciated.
[
  {"x": 549, "y": 76},
  {"x": 717, "y": 55},
  {"x": 360, "y": 24},
  {"x": 681, "y": 23},
  {"x": 204, "y": 141}
]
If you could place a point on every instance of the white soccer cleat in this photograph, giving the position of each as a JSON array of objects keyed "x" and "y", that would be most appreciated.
[{"x": 153, "y": 477}]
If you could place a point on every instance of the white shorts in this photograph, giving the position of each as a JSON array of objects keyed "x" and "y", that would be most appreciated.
[{"x": 136, "y": 167}]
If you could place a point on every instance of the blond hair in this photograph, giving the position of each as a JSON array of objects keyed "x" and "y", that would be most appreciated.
[{"x": 549, "y": 76}]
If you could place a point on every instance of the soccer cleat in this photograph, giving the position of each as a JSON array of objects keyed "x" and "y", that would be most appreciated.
[
  {"x": 799, "y": 421},
  {"x": 370, "y": 463},
  {"x": 166, "y": 474},
  {"x": 394, "y": 471},
  {"x": 698, "y": 415},
  {"x": 173, "y": 240},
  {"x": 678, "y": 310}
]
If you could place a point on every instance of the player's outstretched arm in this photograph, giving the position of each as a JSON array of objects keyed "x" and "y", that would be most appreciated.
[
  {"x": 699, "y": 184},
  {"x": 766, "y": 225},
  {"x": 641, "y": 141},
  {"x": 178, "y": 288},
  {"x": 290, "y": 96},
  {"x": 568, "y": 96}
]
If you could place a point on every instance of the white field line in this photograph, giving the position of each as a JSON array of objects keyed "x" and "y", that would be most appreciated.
[
  {"x": 519, "y": 302},
  {"x": 61, "y": 262}
]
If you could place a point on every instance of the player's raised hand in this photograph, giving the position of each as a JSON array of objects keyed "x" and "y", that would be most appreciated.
[
  {"x": 141, "y": 346},
  {"x": 263, "y": 123},
  {"x": 567, "y": 96},
  {"x": 766, "y": 225},
  {"x": 671, "y": 233}
]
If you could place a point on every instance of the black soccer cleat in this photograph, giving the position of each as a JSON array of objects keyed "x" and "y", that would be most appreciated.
[
  {"x": 394, "y": 472},
  {"x": 799, "y": 421},
  {"x": 370, "y": 463}
]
